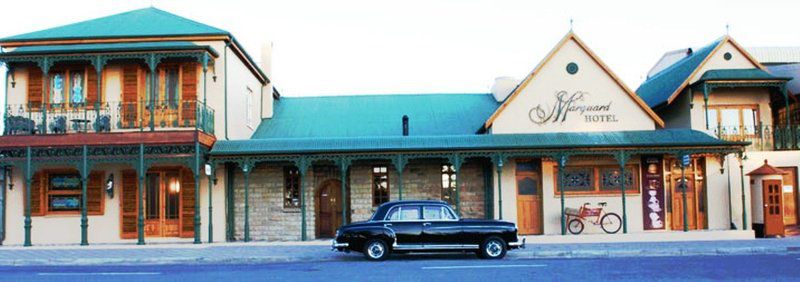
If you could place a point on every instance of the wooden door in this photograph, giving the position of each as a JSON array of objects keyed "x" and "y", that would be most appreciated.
[
  {"x": 773, "y": 209},
  {"x": 162, "y": 204},
  {"x": 677, "y": 204},
  {"x": 529, "y": 199},
  {"x": 329, "y": 208},
  {"x": 790, "y": 196},
  {"x": 152, "y": 204}
]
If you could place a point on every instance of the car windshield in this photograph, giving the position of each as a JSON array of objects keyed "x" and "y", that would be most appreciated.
[
  {"x": 404, "y": 213},
  {"x": 437, "y": 213}
]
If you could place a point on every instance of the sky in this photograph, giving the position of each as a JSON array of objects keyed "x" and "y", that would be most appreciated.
[{"x": 442, "y": 46}]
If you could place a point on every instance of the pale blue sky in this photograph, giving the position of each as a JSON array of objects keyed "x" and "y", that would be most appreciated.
[{"x": 352, "y": 47}]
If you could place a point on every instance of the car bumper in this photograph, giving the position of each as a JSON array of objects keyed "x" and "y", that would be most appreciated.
[
  {"x": 336, "y": 246},
  {"x": 519, "y": 244}
]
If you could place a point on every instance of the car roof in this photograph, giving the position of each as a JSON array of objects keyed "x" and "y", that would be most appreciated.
[{"x": 385, "y": 207}]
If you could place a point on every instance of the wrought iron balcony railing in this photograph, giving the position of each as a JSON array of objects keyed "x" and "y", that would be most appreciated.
[
  {"x": 50, "y": 118},
  {"x": 764, "y": 137}
]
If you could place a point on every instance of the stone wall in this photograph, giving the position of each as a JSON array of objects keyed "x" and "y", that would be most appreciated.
[{"x": 270, "y": 221}]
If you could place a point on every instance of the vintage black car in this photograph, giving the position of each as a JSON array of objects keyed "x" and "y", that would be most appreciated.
[{"x": 425, "y": 226}]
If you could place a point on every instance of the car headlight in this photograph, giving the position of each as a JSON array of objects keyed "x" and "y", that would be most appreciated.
[{"x": 337, "y": 234}]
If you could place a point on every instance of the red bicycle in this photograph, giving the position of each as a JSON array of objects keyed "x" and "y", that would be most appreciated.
[{"x": 610, "y": 222}]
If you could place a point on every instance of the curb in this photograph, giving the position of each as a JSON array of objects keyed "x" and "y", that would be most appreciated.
[{"x": 519, "y": 255}]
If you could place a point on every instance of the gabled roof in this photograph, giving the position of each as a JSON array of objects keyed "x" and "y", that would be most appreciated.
[
  {"x": 663, "y": 138},
  {"x": 571, "y": 36},
  {"x": 376, "y": 115},
  {"x": 788, "y": 70},
  {"x": 147, "y": 22},
  {"x": 664, "y": 87}
]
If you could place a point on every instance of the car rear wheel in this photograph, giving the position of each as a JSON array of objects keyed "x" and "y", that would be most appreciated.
[
  {"x": 376, "y": 250},
  {"x": 493, "y": 248}
]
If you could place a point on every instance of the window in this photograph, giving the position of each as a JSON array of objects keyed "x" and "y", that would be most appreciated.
[
  {"x": 172, "y": 88},
  {"x": 380, "y": 185},
  {"x": 249, "y": 107},
  {"x": 528, "y": 177},
  {"x": 731, "y": 120},
  {"x": 580, "y": 180},
  {"x": 437, "y": 213},
  {"x": 448, "y": 184},
  {"x": 291, "y": 188},
  {"x": 64, "y": 192},
  {"x": 404, "y": 213}
]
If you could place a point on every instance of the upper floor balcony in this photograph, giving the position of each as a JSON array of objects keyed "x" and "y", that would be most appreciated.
[
  {"x": 64, "y": 118},
  {"x": 763, "y": 137}
]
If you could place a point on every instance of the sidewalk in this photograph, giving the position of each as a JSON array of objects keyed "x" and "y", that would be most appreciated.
[{"x": 275, "y": 252}]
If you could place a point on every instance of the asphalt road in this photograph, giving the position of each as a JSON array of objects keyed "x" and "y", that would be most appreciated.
[{"x": 441, "y": 268}]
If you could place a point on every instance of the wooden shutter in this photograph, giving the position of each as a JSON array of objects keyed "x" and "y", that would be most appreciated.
[
  {"x": 189, "y": 92},
  {"x": 35, "y": 93},
  {"x": 91, "y": 86},
  {"x": 128, "y": 204},
  {"x": 37, "y": 197},
  {"x": 188, "y": 200},
  {"x": 94, "y": 193},
  {"x": 130, "y": 96}
]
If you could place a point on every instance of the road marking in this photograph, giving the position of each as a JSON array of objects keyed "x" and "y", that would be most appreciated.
[
  {"x": 483, "y": 266},
  {"x": 94, "y": 273}
]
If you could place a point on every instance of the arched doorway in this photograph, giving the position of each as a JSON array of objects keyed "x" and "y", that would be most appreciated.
[{"x": 328, "y": 204}]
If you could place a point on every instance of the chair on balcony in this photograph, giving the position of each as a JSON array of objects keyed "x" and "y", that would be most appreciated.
[
  {"x": 19, "y": 125},
  {"x": 59, "y": 125},
  {"x": 102, "y": 124}
]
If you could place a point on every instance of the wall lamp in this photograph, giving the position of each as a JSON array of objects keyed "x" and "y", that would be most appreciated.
[{"x": 110, "y": 186}]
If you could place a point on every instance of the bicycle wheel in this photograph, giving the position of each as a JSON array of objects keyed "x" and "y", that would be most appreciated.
[
  {"x": 611, "y": 223},
  {"x": 575, "y": 226}
]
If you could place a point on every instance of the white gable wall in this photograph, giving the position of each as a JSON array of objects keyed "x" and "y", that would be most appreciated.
[{"x": 598, "y": 88}]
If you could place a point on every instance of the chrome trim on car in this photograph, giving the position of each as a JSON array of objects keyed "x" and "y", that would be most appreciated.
[
  {"x": 419, "y": 247},
  {"x": 336, "y": 245},
  {"x": 518, "y": 244}
]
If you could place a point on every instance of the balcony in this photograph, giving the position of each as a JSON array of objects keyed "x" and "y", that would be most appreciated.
[
  {"x": 65, "y": 118},
  {"x": 763, "y": 137}
]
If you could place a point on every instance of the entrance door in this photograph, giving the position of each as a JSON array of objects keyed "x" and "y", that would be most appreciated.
[
  {"x": 162, "y": 204},
  {"x": 790, "y": 211},
  {"x": 773, "y": 209},
  {"x": 329, "y": 208},
  {"x": 677, "y": 204},
  {"x": 529, "y": 198}
]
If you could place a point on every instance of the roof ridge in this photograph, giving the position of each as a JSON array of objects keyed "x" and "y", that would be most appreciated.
[{"x": 185, "y": 19}]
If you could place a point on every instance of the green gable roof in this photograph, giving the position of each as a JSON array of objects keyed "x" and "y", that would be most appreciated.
[
  {"x": 645, "y": 138},
  {"x": 740, "y": 74},
  {"x": 137, "y": 23},
  {"x": 377, "y": 115},
  {"x": 109, "y": 47},
  {"x": 656, "y": 90}
]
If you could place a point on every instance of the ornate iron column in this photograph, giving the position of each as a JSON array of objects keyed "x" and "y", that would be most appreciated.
[
  {"x": 246, "y": 169},
  {"x": 211, "y": 179},
  {"x": 142, "y": 171},
  {"x": 399, "y": 162},
  {"x": 622, "y": 158},
  {"x": 705, "y": 101},
  {"x": 344, "y": 164},
  {"x": 302, "y": 164},
  {"x": 457, "y": 160},
  {"x": 28, "y": 176},
  {"x": 562, "y": 163},
  {"x": 742, "y": 158},
  {"x": 498, "y": 164},
  {"x": 45, "y": 66},
  {"x": 84, "y": 178},
  {"x": 683, "y": 194},
  {"x": 98, "y": 63},
  {"x": 204, "y": 62},
  {"x": 197, "y": 186},
  {"x": 152, "y": 63}
]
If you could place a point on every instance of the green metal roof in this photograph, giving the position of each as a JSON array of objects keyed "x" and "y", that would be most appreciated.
[
  {"x": 109, "y": 47},
  {"x": 740, "y": 74},
  {"x": 657, "y": 89},
  {"x": 137, "y": 23},
  {"x": 377, "y": 115},
  {"x": 646, "y": 138}
]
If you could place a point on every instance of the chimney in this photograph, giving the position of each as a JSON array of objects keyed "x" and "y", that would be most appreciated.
[
  {"x": 405, "y": 125},
  {"x": 266, "y": 67},
  {"x": 503, "y": 86}
]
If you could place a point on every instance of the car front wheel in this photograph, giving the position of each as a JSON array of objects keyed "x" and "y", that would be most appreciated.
[
  {"x": 376, "y": 250},
  {"x": 493, "y": 248}
]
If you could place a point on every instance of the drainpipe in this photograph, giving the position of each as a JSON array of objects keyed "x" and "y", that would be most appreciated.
[{"x": 225, "y": 82}]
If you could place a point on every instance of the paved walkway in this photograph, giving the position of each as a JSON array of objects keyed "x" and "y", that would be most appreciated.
[{"x": 263, "y": 252}]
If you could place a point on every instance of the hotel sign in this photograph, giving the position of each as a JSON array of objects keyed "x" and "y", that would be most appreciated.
[{"x": 569, "y": 106}]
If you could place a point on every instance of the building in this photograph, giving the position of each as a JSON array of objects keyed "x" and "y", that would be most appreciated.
[
  {"x": 108, "y": 123},
  {"x": 276, "y": 168}
]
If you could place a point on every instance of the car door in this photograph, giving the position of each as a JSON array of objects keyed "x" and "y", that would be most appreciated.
[
  {"x": 406, "y": 223},
  {"x": 440, "y": 228}
]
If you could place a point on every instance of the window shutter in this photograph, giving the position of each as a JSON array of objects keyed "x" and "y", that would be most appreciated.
[
  {"x": 37, "y": 208},
  {"x": 128, "y": 204},
  {"x": 94, "y": 193},
  {"x": 189, "y": 91},
  {"x": 35, "y": 94},
  {"x": 91, "y": 86},
  {"x": 187, "y": 203},
  {"x": 130, "y": 96}
]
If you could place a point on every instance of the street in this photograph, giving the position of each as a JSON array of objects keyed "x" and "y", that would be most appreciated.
[{"x": 450, "y": 267}]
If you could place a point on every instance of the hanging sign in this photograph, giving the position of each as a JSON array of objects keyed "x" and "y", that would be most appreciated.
[
  {"x": 570, "y": 106},
  {"x": 652, "y": 192}
]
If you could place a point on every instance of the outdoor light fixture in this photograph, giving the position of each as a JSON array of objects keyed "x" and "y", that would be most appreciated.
[
  {"x": 208, "y": 169},
  {"x": 10, "y": 177},
  {"x": 110, "y": 186},
  {"x": 13, "y": 81}
]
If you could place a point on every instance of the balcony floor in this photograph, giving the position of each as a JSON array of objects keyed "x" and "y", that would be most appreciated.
[{"x": 113, "y": 138}]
